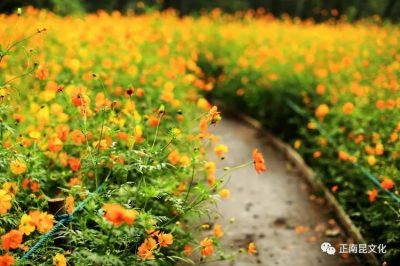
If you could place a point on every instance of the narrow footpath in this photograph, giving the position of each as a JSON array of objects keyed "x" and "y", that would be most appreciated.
[{"x": 275, "y": 210}]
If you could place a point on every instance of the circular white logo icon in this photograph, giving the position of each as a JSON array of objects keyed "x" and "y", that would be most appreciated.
[{"x": 326, "y": 247}]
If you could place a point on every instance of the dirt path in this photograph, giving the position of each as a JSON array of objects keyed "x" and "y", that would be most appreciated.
[{"x": 273, "y": 209}]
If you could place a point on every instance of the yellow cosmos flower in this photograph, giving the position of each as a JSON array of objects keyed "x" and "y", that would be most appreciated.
[
  {"x": 220, "y": 150},
  {"x": 26, "y": 225},
  {"x": 59, "y": 260},
  {"x": 18, "y": 167},
  {"x": 321, "y": 111},
  {"x": 371, "y": 160},
  {"x": 11, "y": 188},
  {"x": 5, "y": 201},
  {"x": 224, "y": 193}
]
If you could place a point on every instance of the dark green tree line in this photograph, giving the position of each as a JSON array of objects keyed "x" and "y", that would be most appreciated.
[{"x": 317, "y": 9}]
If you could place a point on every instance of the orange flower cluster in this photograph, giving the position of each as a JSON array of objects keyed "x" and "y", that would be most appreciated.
[
  {"x": 149, "y": 245},
  {"x": 36, "y": 220},
  {"x": 118, "y": 215},
  {"x": 207, "y": 247}
]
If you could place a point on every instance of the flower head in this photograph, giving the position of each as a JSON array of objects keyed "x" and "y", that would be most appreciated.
[
  {"x": 26, "y": 226},
  {"x": 18, "y": 167},
  {"x": 5, "y": 201},
  {"x": 145, "y": 251},
  {"x": 117, "y": 214},
  {"x": 207, "y": 247},
  {"x": 251, "y": 249},
  {"x": 259, "y": 163},
  {"x": 387, "y": 183},
  {"x": 59, "y": 260},
  {"x": 7, "y": 260},
  {"x": 11, "y": 240},
  {"x": 348, "y": 108},
  {"x": 372, "y": 194},
  {"x": 321, "y": 111},
  {"x": 164, "y": 240},
  {"x": 218, "y": 231},
  {"x": 220, "y": 150}
]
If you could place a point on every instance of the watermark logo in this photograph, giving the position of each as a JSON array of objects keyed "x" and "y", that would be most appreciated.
[{"x": 326, "y": 247}]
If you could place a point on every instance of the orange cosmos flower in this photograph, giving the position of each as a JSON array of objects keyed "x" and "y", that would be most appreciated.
[
  {"x": 77, "y": 137},
  {"x": 348, "y": 108},
  {"x": 311, "y": 125},
  {"x": 5, "y": 201},
  {"x": 393, "y": 137},
  {"x": 321, "y": 111},
  {"x": 372, "y": 194},
  {"x": 69, "y": 204},
  {"x": 317, "y": 154},
  {"x": 203, "y": 125},
  {"x": 117, "y": 214},
  {"x": 251, "y": 248},
  {"x": 62, "y": 132},
  {"x": 213, "y": 115},
  {"x": 359, "y": 139},
  {"x": 387, "y": 183},
  {"x": 42, "y": 220},
  {"x": 164, "y": 240},
  {"x": 77, "y": 100},
  {"x": 153, "y": 120},
  {"x": 42, "y": 73},
  {"x": 55, "y": 144},
  {"x": 35, "y": 186},
  {"x": 174, "y": 157},
  {"x": 206, "y": 247},
  {"x": 258, "y": 160},
  {"x": 320, "y": 89},
  {"x": 18, "y": 117},
  {"x": 25, "y": 183},
  {"x": 11, "y": 240},
  {"x": 379, "y": 149},
  {"x": 74, "y": 163},
  {"x": 380, "y": 104},
  {"x": 211, "y": 180},
  {"x": 145, "y": 251},
  {"x": 7, "y": 260},
  {"x": 75, "y": 181},
  {"x": 18, "y": 167},
  {"x": 187, "y": 250},
  {"x": 218, "y": 231},
  {"x": 343, "y": 155}
]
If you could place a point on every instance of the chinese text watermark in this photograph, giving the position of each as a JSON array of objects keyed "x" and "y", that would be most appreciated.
[{"x": 326, "y": 247}]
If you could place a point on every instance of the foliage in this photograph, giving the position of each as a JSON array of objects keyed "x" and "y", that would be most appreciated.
[{"x": 111, "y": 116}]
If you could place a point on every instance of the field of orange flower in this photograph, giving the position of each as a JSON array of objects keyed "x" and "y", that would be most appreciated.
[
  {"x": 108, "y": 112},
  {"x": 104, "y": 133}
]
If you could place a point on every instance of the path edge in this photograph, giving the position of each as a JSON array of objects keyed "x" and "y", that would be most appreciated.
[{"x": 311, "y": 178}]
